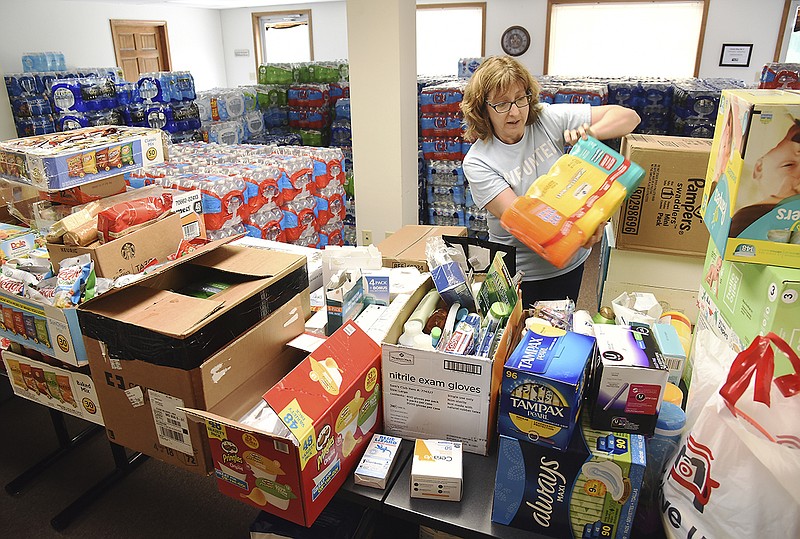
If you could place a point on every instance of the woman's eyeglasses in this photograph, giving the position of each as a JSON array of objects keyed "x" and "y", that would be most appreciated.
[{"x": 505, "y": 106}]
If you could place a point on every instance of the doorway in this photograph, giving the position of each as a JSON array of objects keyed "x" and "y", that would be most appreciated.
[{"x": 140, "y": 47}]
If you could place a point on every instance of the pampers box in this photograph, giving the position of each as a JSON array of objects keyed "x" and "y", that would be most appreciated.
[
  {"x": 751, "y": 199},
  {"x": 629, "y": 381},
  {"x": 588, "y": 491},
  {"x": 543, "y": 385}
]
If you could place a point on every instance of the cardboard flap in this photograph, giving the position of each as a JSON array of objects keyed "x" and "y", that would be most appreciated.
[
  {"x": 158, "y": 270},
  {"x": 155, "y": 310},
  {"x": 247, "y": 261}
]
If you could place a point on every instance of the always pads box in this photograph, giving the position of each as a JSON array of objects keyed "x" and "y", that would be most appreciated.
[
  {"x": 663, "y": 213},
  {"x": 67, "y": 391},
  {"x": 588, "y": 491},
  {"x": 141, "y": 400},
  {"x": 129, "y": 254},
  {"x": 543, "y": 386},
  {"x": 751, "y": 200},
  {"x": 629, "y": 379},
  {"x": 755, "y": 299},
  {"x": 437, "y": 470},
  {"x": 320, "y": 417}
]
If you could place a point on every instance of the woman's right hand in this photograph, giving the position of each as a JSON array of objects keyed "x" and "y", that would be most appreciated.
[{"x": 572, "y": 136}]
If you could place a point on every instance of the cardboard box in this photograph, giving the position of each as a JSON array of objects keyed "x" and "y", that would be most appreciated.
[
  {"x": 62, "y": 160},
  {"x": 671, "y": 349},
  {"x": 326, "y": 410},
  {"x": 151, "y": 320},
  {"x": 750, "y": 203},
  {"x": 406, "y": 247},
  {"x": 437, "y": 470},
  {"x": 438, "y": 395},
  {"x": 47, "y": 329},
  {"x": 595, "y": 484},
  {"x": 129, "y": 254},
  {"x": 543, "y": 385},
  {"x": 140, "y": 400},
  {"x": 377, "y": 462},
  {"x": 629, "y": 379},
  {"x": 755, "y": 299},
  {"x": 67, "y": 391},
  {"x": 82, "y": 194},
  {"x": 663, "y": 213}
]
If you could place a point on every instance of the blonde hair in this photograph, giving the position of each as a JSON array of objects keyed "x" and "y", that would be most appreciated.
[{"x": 497, "y": 73}]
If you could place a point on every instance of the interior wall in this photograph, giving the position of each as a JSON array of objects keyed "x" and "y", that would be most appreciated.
[
  {"x": 328, "y": 25},
  {"x": 82, "y": 32}
]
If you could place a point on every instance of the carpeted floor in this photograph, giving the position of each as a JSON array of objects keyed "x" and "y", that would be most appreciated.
[{"x": 155, "y": 500}]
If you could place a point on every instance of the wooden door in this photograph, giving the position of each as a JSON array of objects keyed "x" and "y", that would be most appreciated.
[{"x": 140, "y": 47}]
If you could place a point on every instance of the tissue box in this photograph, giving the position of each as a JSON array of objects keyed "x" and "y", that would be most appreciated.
[
  {"x": 629, "y": 379},
  {"x": 543, "y": 385},
  {"x": 590, "y": 490},
  {"x": 344, "y": 298},
  {"x": 437, "y": 470}
]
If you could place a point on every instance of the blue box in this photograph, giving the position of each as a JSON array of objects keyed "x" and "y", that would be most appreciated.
[
  {"x": 671, "y": 349},
  {"x": 543, "y": 386},
  {"x": 589, "y": 491}
]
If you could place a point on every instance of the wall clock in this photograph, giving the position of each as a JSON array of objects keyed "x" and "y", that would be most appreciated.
[{"x": 515, "y": 40}]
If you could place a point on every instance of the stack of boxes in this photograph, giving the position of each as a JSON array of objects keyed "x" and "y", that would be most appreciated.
[{"x": 751, "y": 274}]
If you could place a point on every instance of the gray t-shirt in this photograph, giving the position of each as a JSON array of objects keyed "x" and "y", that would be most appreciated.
[{"x": 492, "y": 166}]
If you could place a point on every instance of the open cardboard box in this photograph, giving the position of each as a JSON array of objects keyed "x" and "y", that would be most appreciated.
[
  {"x": 330, "y": 403},
  {"x": 151, "y": 320},
  {"x": 140, "y": 400},
  {"x": 406, "y": 247}
]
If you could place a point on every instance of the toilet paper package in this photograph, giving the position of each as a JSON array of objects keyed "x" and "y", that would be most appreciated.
[{"x": 588, "y": 491}]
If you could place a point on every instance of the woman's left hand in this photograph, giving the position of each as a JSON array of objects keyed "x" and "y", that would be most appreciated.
[
  {"x": 596, "y": 237},
  {"x": 571, "y": 136}
]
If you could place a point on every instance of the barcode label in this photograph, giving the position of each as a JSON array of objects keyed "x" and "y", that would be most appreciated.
[
  {"x": 171, "y": 424},
  {"x": 191, "y": 230},
  {"x": 281, "y": 446},
  {"x": 458, "y": 366},
  {"x": 172, "y": 434},
  {"x": 673, "y": 363}
]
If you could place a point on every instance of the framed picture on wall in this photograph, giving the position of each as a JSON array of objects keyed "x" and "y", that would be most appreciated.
[{"x": 736, "y": 55}]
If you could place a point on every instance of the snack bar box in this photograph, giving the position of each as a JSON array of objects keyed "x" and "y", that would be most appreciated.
[
  {"x": 63, "y": 160},
  {"x": 590, "y": 490},
  {"x": 326, "y": 411}
]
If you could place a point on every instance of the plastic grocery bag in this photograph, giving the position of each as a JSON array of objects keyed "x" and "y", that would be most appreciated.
[{"x": 737, "y": 472}]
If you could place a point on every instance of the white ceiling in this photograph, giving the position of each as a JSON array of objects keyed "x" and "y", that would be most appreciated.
[{"x": 208, "y": 4}]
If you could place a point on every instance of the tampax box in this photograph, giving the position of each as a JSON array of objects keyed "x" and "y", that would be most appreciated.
[
  {"x": 142, "y": 402},
  {"x": 437, "y": 470},
  {"x": 750, "y": 201},
  {"x": 589, "y": 490},
  {"x": 326, "y": 408},
  {"x": 62, "y": 160},
  {"x": 158, "y": 319},
  {"x": 754, "y": 300},
  {"x": 406, "y": 247},
  {"x": 663, "y": 213},
  {"x": 129, "y": 254},
  {"x": 543, "y": 386},
  {"x": 439, "y": 395},
  {"x": 67, "y": 391},
  {"x": 629, "y": 379},
  {"x": 50, "y": 330}
]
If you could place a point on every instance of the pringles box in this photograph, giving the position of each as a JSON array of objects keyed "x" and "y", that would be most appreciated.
[
  {"x": 590, "y": 490},
  {"x": 629, "y": 380},
  {"x": 751, "y": 198},
  {"x": 543, "y": 386},
  {"x": 315, "y": 424}
]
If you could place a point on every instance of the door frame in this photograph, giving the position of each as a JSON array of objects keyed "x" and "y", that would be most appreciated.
[{"x": 163, "y": 38}]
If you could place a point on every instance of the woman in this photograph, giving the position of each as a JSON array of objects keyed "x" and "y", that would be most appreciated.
[{"x": 517, "y": 139}]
